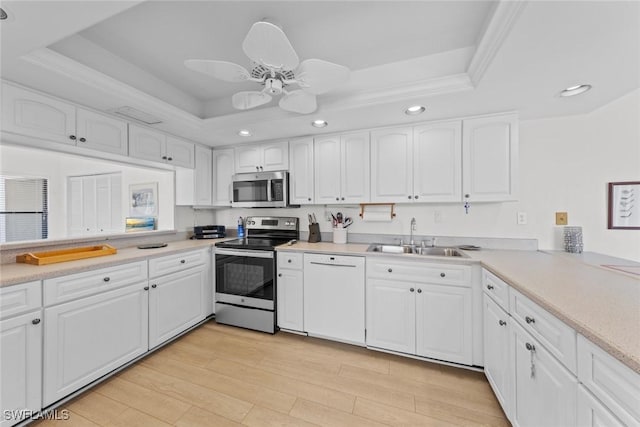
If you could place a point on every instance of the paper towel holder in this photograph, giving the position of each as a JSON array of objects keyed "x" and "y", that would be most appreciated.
[{"x": 364, "y": 205}]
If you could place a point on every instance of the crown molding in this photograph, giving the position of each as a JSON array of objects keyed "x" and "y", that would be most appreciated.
[{"x": 502, "y": 21}]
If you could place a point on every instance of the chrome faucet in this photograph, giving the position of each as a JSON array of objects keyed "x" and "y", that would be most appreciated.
[{"x": 413, "y": 228}]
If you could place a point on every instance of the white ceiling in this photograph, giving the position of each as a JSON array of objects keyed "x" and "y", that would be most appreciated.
[{"x": 458, "y": 58}]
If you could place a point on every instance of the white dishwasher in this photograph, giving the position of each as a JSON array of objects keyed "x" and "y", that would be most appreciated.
[{"x": 334, "y": 297}]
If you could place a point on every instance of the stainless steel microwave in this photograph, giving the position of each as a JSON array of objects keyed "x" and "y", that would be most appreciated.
[{"x": 261, "y": 190}]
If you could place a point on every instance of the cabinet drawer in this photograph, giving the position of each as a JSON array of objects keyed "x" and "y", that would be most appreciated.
[
  {"x": 555, "y": 335},
  {"x": 290, "y": 260},
  {"x": 20, "y": 298},
  {"x": 177, "y": 262},
  {"x": 67, "y": 288},
  {"x": 616, "y": 385},
  {"x": 496, "y": 288},
  {"x": 421, "y": 272}
]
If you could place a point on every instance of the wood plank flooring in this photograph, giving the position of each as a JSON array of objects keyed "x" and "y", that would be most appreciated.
[{"x": 224, "y": 376}]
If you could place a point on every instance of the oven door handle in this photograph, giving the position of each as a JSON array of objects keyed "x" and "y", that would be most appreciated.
[{"x": 245, "y": 253}]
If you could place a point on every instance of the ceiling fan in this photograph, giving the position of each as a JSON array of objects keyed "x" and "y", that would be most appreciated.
[{"x": 275, "y": 66}]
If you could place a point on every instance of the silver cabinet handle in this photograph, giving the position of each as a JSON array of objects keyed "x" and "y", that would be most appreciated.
[
  {"x": 35, "y": 321},
  {"x": 72, "y": 137},
  {"x": 289, "y": 261},
  {"x": 415, "y": 197},
  {"x": 530, "y": 319},
  {"x": 389, "y": 270},
  {"x": 502, "y": 322},
  {"x": 419, "y": 290},
  {"x": 490, "y": 287},
  {"x": 530, "y": 347},
  {"x": 411, "y": 289},
  {"x": 408, "y": 197},
  {"x": 279, "y": 274},
  {"x": 442, "y": 275},
  {"x": 154, "y": 286},
  {"x": 182, "y": 261},
  {"x": 106, "y": 279},
  {"x": 146, "y": 288}
]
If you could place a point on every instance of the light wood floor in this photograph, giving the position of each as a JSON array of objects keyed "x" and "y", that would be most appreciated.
[{"x": 224, "y": 376}]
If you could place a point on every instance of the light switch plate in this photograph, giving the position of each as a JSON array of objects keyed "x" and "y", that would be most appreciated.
[{"x": 562, "y": 218}]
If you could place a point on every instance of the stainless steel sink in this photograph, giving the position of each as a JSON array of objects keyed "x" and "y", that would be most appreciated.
[{"x": 417, "y": 250}]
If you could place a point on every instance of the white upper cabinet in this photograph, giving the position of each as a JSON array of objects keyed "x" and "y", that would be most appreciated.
[
  {"x": 272, "y": 156},
  {"x": 100, "y": 132},
  {"x": 203, "y": 185},
  {"x": 32, "y": 114},
  {"x": 490, "y": 158},
  {"x": 341, "y": 168},
  {"x": 301, "y": 170},
  {"x": 223, "y": 170},
  {"x": 437, "y": 162},
  {"x": 392, "y": 165},
  {"x": 152, "y": 145}
]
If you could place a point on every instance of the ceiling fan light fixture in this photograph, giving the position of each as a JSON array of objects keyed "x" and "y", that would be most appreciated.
[
  {"x": 3, "y": 14},
  {"x": 319, "y": 123},
  {"x": 244, "y": 132},
  {"x": 414, "y": 110},
  {"x": 575, "y": 90}
]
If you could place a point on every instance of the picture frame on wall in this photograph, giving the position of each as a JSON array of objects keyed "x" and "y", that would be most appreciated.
[
  {"x": 143, "y": 200},
  {"x": 624, "y": 205}
]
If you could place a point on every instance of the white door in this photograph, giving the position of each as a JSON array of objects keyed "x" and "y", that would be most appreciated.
[
  {"x": 290, "y": 300},
  {"x": 29, "y": 113},
  {"x": 100, "y": 132},
  {"x": 392, "y": 165},
  {"x": 326, "y": 153},
  {"x": 490, "y": 158},
  {"x": 203, "y": 176},
  {"x": 496, "y": 352},
  {"x": 180, "y": 152},
  {"x": 275, "y": 156},
  {"x": 444, "y": 323},
  {"x": 21, "y": 367},
  {"x": 248, "y": 158},
  {"x": 176, "y": 302},
  {"x": 437, "y": 162},
  {"x": 223, "y": 170},
  {"x": 545, "y": 396},
  {"x": 391, "y": 315},
  {"x": 355, "y": 168},
  {"x": 147, "y": 144},
  {"x": 301, "y": 171},
  {"x": 88, "y": 338}
]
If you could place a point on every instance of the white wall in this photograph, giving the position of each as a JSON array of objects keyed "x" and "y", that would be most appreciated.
[{"x": 565, "y": 165}]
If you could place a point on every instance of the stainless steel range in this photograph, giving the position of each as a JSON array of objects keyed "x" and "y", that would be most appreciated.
[{"x": 246, "y": 273}]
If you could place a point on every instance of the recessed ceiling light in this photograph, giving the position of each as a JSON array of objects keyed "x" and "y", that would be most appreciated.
[
  {"x": 575, "y": 90},
  {"x": 319, "y": 123},
  {"x": 414, "y": 110},
  {"x": 244, "y": 132}
]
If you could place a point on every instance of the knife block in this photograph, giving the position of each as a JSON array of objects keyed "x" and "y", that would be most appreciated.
[{"x": 314, "y": 233}]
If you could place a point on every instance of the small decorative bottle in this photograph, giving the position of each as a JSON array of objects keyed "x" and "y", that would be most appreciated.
[{"x": 240, "y": 227}]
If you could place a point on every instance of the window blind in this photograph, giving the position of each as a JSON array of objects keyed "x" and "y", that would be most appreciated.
[{"x": 23, "y": 209}]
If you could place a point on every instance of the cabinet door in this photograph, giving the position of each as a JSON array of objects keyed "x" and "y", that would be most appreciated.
[
  {"x": 180, "y": 152},
  {"x": 248, "y": 159},
  {"x": 89, "y": 205},
  {"x": 301, "y": 171},
  {"x": 100, "y": 132},
  {"x": 546, "y": 398},
  {"x": 203, "y": 176},
  {"x": 592, "y": 413},
  {"x": 391, "y": 315},
  {"x": 355, "y": 168},
  {"x": 326, "y": 153},
  {"x": 147, "y": 144},
  {"x": 490, "y": 158},
  {"x": 437, "y": 162},
  {"x": 223, "y": 170},
  {"x": 21, "y": 367},
  {"x": 290, "y": 300},
  {"x": 496, "y": 352},
  {"x": 444, "y": 323},
  {"x": 392, "y": 165},
  {"x": 275, "y": 156},
  {"x": 90, "y": 337},
  {"x": 109, "y": 204},
  {"x": 176, "y": 302},
  {"x": 75, "y": 214},
  {"x": 29, "y": 113}
]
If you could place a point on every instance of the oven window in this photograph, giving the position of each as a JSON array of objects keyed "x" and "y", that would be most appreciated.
[
  {"x": 250, "y": 191},
  {"x": 245, "y": 276}
]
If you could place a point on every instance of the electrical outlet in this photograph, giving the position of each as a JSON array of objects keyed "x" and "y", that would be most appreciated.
[
  {"x": 437, "y": 217},
  {"x": 522, "y": 218},
  {"x": 562, "y": 218}
]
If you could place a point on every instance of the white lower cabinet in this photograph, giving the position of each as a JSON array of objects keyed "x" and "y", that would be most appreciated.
[
  {"x": 176, "y": 302},
  {"x": 496, "y": 352},
  {"x": 391, "y": 315},
  {"x": 592, "y": 413},
  {"x": 290, "y": 302},
  {"x": 89, "y": 337}
]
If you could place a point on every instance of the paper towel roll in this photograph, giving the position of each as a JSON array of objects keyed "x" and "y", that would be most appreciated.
[{"x": 376, "y": 216}]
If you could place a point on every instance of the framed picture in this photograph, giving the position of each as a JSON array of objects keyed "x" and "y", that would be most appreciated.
[
  {"x": 143, "y": 200},
  {"x": 624, "y": 205}
]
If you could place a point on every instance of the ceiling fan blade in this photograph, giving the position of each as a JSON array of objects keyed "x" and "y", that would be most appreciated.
[
  {"x": 317, "y": 76},
  {"x": 249, "y": 99},
  {"x": 298, "y": 101},
  {"x": 267, "y": 44},
  {"x": 222, "y": 70}
]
